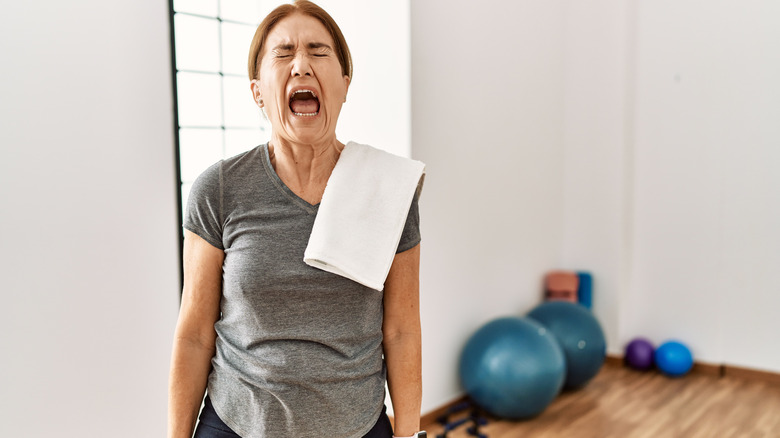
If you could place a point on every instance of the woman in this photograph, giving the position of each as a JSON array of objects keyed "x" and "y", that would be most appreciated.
[{"x": 287, "y": 350}]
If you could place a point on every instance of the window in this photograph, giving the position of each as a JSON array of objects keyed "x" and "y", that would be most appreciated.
[{"x": 216, "y": 116}]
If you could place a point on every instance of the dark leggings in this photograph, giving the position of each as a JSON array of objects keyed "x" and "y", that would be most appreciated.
[{"x": 211, "y": 426}]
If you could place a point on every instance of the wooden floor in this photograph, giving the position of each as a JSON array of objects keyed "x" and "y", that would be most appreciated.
[{"x": 620, "y": 402}]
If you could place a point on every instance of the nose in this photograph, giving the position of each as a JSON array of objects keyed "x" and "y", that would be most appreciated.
[{"x": 301, "y": 65}]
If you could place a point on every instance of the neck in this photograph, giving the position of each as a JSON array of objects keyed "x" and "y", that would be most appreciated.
[{"x": 304, "y": 167}]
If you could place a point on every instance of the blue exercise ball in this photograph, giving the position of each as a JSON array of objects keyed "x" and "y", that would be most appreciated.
[
  {"x": 673, "y": 358},
  {"x": 512, "y": 367},
  {"x": 579, "y": 334}
]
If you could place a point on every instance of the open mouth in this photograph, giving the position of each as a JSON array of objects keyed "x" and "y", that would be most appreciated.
[{"x": 304, "y": 103}]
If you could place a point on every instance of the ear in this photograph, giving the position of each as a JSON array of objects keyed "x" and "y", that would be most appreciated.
[
  {"x": 254, "y": 85},
  {"x": 346, "y": 87}
]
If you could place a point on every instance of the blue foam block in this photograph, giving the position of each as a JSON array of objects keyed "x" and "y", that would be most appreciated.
[{"x": 585, "y": 291}]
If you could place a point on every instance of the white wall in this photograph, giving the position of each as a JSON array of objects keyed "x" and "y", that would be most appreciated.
[
  {"x": 707, "y": 244},
  {"x": 87, "y": 190},
  {"x": 671, "y": 187},
  {"x": 597, "y": 178},
  {"x": 379, "y": 98},
  {"x": 487, "y": 118}
]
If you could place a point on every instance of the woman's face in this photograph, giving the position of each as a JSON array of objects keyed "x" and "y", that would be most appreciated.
[{"x": 301, "y": 82}]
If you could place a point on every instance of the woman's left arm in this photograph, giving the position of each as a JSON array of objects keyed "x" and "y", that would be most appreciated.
[{"x": 402, "y": 340}]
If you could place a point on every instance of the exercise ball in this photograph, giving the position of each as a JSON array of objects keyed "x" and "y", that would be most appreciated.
[
  {"x": 639, "y": 354},
  {"x": 673, "y": 358},
  {"x": 579, "y": 334},
  {"x": 512, "y": 367}
]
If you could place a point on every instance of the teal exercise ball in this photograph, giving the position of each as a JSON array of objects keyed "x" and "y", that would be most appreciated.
[
  {"x": 579, "y": 334},
  {"x": 512, "y": 367}
]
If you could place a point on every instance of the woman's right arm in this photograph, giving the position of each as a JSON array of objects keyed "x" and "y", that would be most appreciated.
[{"x": 194, "y": 341}]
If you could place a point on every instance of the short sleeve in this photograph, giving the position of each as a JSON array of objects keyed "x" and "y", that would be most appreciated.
[
  {"x": 203, "y": 215},
  {"x": 410, "y": 237}
]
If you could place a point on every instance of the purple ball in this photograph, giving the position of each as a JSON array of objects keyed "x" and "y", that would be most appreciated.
[{"x": 639, "y": 354}]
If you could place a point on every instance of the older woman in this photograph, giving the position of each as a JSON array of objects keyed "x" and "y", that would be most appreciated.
[{"x": 285, "y": 349}]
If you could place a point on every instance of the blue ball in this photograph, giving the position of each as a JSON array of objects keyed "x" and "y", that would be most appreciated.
[
  {"x": 579, "y": 334},
  {"x": 673, "y": 358},
  {"x": 512, "y": 367}
]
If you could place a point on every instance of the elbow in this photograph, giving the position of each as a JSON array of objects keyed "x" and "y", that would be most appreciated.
[{"x": 407, "y": 336}]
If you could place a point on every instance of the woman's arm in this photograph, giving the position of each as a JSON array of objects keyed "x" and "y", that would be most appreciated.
[
  {"x": 193, "y": 344},
  {"x": 402, "y": 340}
]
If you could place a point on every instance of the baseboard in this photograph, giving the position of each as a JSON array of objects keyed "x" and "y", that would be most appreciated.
[
  {"x": 751, "y": 374},
  {"x": 716, "y": 370},
  {"x": 698, "y": 367},
  {"x": 614, "y": 360},
  {"x": 708, "y": 369}
]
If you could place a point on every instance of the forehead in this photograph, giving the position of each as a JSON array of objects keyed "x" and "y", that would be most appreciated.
[{"x": 296, "y": 29}]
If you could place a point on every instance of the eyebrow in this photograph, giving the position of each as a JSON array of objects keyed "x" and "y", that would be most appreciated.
[
  {"x": 286, "y": 47},
  {"x": 283, "y": 47},
  {"x": 318, "y": 46}
]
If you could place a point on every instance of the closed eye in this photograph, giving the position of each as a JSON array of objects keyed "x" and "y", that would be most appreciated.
[{"x": 320, "y": 50}]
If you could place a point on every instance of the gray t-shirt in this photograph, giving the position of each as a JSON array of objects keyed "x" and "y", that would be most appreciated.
[{"x": 298, "y": 349}]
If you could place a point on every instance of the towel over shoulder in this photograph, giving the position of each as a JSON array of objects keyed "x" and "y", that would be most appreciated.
[{"x": 362, "y": 214}]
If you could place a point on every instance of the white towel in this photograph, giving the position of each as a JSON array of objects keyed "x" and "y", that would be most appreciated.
[{"x": 362, "y": 214}]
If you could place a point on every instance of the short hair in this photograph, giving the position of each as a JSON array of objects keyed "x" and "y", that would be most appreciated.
[{"x": 310, "y": 9}]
